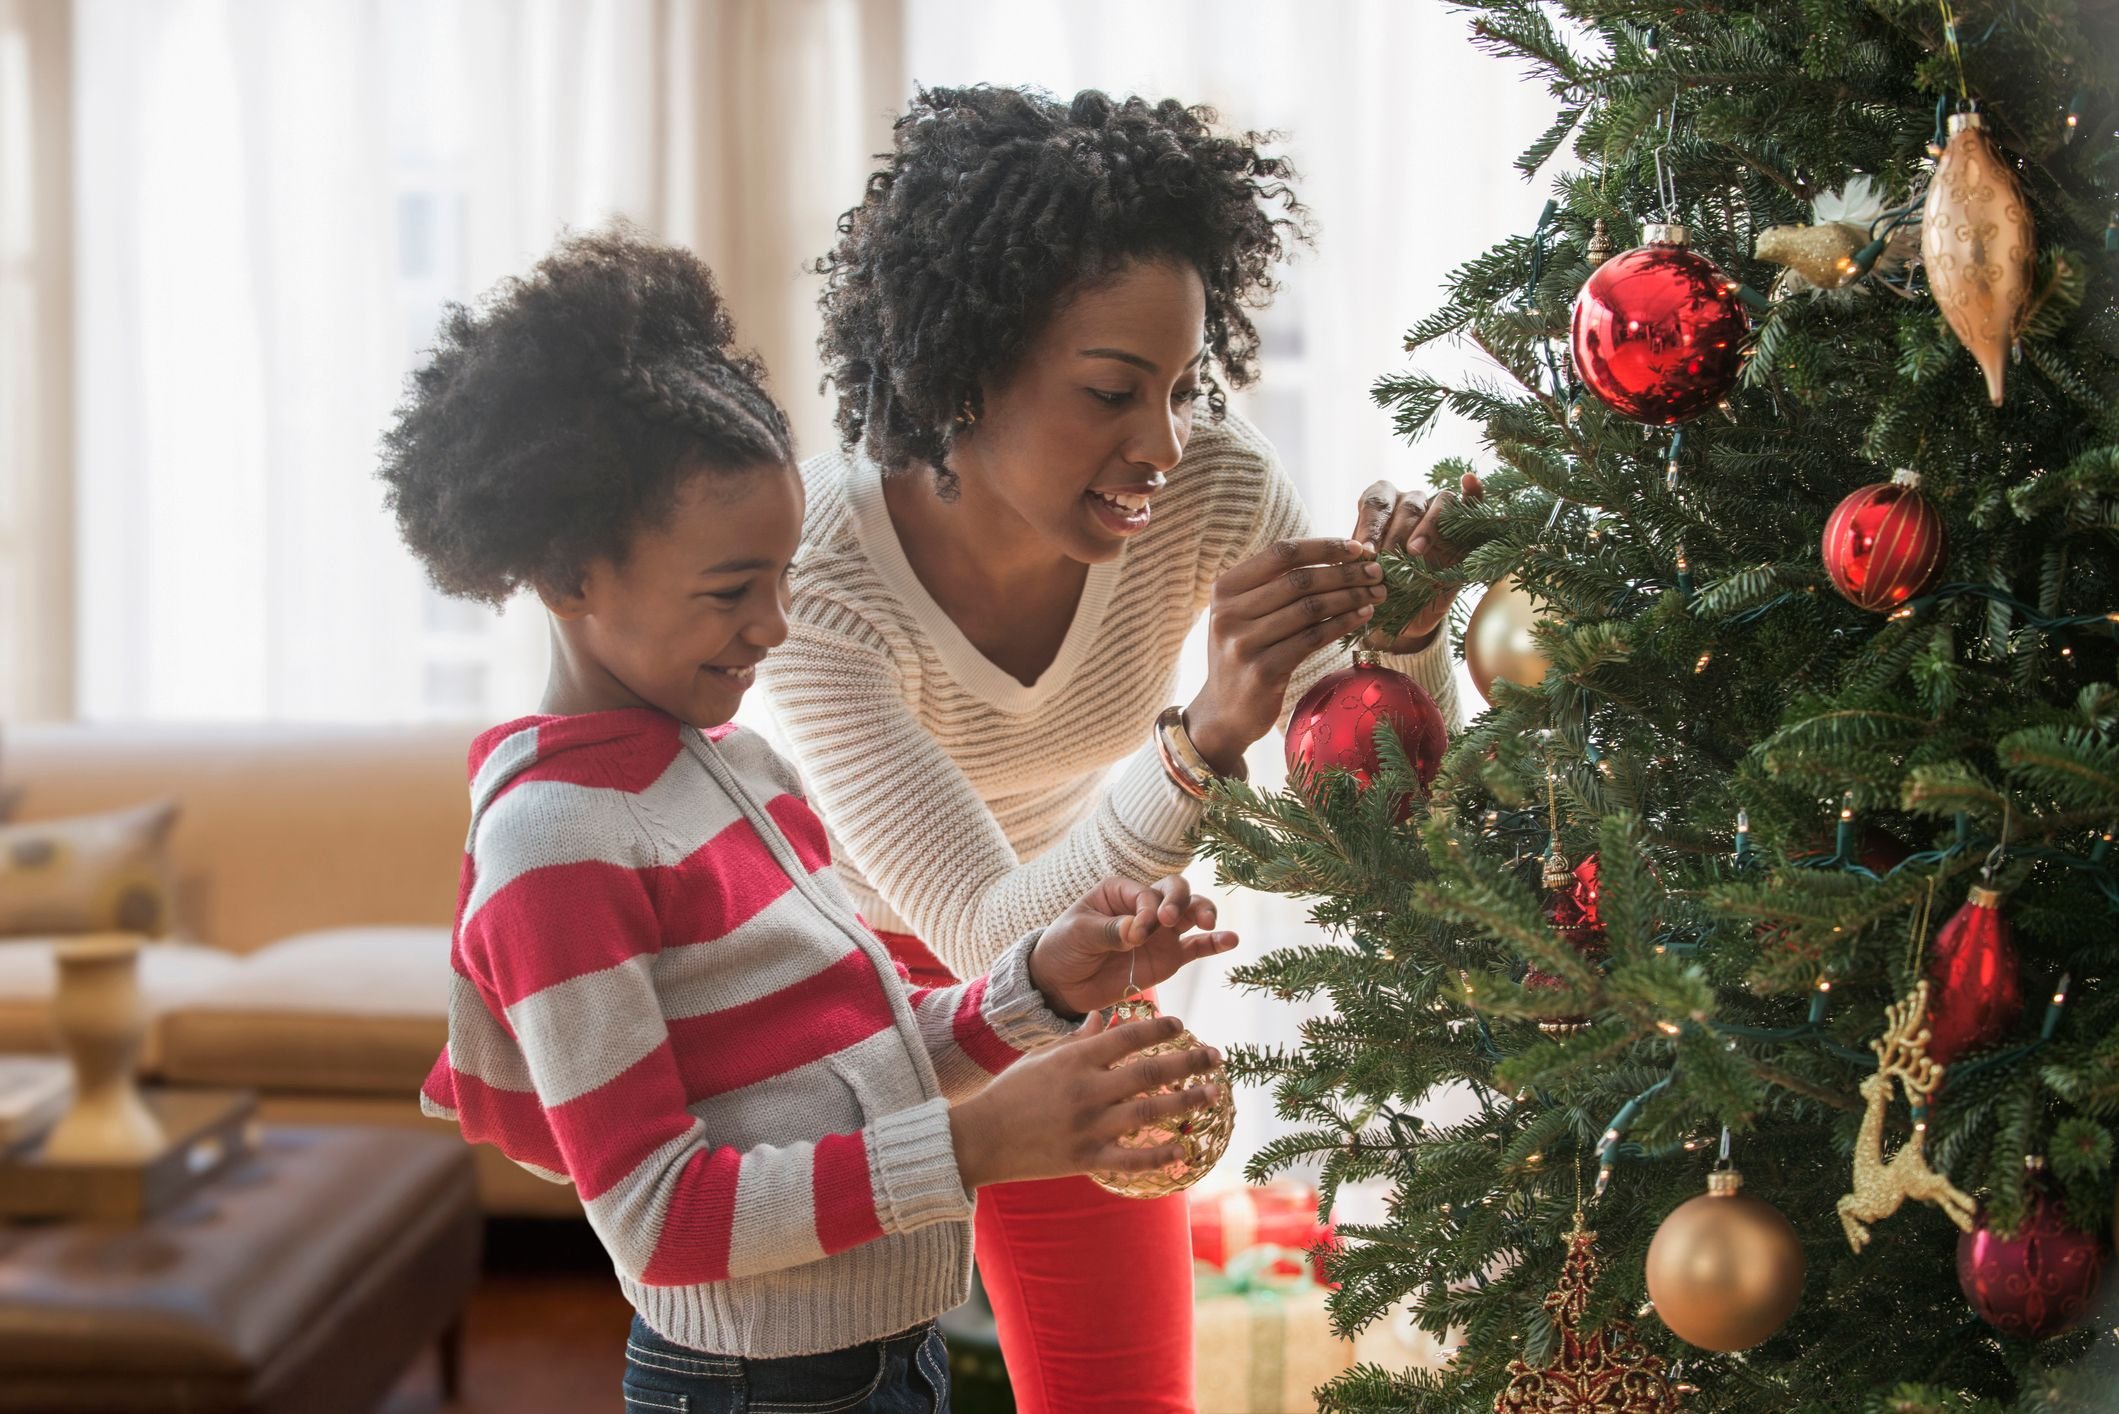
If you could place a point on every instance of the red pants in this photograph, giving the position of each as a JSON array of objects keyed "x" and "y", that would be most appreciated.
[{"x": 1092, "y": 1292}]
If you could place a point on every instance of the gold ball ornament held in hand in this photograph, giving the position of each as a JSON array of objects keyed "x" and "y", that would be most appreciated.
[
  {"x": 1725, "y": 1270},
  {"x": 1978, "y": 245},
  {"x": 1202, "y": 1134},
  {"x": 1498, "y": 642}
]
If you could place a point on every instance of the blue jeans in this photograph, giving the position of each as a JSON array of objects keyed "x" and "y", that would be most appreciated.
[{"x": 903, "y": 1374}]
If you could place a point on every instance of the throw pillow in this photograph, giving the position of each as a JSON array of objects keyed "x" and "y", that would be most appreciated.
[{"x": 88, "y": 874}]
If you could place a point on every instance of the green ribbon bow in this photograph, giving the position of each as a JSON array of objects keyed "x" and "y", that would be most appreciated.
[{"x": 1250, "y": 1274}]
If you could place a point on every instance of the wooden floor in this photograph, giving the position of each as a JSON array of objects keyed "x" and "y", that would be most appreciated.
[{"x": 546, "y": 1330}]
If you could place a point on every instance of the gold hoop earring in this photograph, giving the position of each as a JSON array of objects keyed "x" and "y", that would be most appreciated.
[{"x": 965, "y": 416}]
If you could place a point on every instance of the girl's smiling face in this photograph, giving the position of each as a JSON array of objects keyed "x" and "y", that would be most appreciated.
[
  {"x": 1076, "y": 441},
  {"x": 683, "y": 621}
]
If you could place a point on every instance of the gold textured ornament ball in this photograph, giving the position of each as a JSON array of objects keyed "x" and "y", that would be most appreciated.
[
  {"x": 1203, "y": 1134},
  {"x": 1725, "y": 1270},
  {"x": 1498, "y": 641},
  {"x": 1977, "y": 242}
]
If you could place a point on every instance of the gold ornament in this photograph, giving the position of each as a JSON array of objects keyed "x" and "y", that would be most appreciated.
[
  {"x": 1605, "y": 1371},
  {"x": 1829, "y": 253},
  {"x": 1725, "y": 1270},
  {"x": 1977, "y": 241},
  {"x": 1498, "y": 641},
  {"x": 1599, "y": 244},
  {"x": 1881, "y": 1187},
  {"x": 1823, "y": 255},
  {"x": 1203, "y": 1134}
]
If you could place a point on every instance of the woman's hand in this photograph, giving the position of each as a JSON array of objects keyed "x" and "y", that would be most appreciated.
[
  {"x": 1390, "y": 519},
  {"x": 1062, "y": 1110},
  {"x": 1123, "y": 931},
  {"x": 1268, "y": 613}
]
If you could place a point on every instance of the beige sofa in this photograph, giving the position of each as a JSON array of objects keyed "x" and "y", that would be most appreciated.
[{"x": 315, "y": 873}]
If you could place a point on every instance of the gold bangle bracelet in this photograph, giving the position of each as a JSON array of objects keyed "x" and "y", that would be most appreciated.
[{"x": 1181, "y": 759}]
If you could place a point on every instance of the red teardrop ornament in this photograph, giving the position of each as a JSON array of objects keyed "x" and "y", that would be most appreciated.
[
  {"x": 1975, "y": 991},
  {"x": 1883, "y": 544},
  {"x": 1334, "y": 726},
  {"x": 1658, "y": 331},
  {"x": 2036, "y": 1282}
]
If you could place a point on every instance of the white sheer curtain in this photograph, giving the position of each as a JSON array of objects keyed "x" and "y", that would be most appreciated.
[
  {"x": 276, "y": 201},
  {"x": 36, "y": 363}
]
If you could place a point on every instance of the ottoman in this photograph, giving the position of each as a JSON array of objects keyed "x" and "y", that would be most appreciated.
[{"x": 307, "y": 1279}]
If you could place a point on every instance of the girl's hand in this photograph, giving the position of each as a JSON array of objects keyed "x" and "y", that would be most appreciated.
[
  {"x": 1061, "y": 1110},
  {"x": 1123, "y": 930},
  {"x": 1390, "y": 519},
  {"x": 1268, "y": 613}
]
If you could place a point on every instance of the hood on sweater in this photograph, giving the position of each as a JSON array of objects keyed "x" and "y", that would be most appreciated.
[{"x": 625, "y": 747}]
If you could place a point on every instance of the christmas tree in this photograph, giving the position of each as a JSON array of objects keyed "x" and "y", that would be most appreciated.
[{"x": 1789, "y": 825}]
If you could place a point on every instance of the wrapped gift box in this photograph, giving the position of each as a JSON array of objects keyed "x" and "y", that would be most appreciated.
[
  {"x": 1284, "y": 1214},
  {"x": 1261, "y": 1340}
]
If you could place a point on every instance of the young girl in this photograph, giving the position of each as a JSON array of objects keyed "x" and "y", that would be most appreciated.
[
  {"x": 662, "y": 995},
  {"x": 1024, "y": 314}
]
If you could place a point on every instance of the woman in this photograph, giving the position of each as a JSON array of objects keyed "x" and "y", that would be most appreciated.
[{"x": 999, "y": 570}]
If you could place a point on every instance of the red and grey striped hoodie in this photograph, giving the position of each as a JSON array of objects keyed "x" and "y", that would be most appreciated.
[{"x": 663, "y": 996}]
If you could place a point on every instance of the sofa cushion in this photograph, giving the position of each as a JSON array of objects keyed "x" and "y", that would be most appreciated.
[
  {"x": 345, "y": 1011},
  {"x": 88, "y": 873},
  {"x": 171, "y": 974}
]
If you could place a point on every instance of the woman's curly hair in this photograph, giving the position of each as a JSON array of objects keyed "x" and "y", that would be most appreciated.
[
  {"x": 996, "y": 203},
  {"x": 560, "y": 415}
]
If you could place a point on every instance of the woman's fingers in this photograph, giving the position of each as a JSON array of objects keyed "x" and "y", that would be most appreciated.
[
  {"x": 1309, "y": 611},
  {"x": 1426, "y": 540},
  {"x": 1157, "y": 963},
  {"x": 1301, "y": 585},
  {"x": 1175, "y": 895},
  {"x": 1406, "y": 517},
  {"x": 1282, "y": 557},
  {"x": 1373, "y": 513}
]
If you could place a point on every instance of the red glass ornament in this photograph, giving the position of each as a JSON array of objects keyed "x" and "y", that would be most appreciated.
[
  {"x": 1657, "y": 331},
  {"x": 1334, "y": 726},
  {"x": 1883, "y": 544},
  {"x": 2036, "y": 1282},
  {"x": 1975, "y": 991}
]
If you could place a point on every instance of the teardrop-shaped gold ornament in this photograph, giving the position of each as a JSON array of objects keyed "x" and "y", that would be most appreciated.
[
  {"x": 1202, "y": 1134},
  {"x": 1978, "y": 244}
]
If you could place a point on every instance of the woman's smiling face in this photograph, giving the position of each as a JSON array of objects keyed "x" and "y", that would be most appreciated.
[{"x": 1077, "y": 440}]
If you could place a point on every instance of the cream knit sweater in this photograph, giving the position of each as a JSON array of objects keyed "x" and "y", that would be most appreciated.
[{"x": 965, "y": 807}]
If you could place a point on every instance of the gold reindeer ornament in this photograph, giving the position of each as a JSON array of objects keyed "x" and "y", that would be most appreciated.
[{"x": 1882, "y": 1186}]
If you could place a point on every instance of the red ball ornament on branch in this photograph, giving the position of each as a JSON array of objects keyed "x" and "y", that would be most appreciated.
[
  {"x": 1975, "y": 988},
  {"x": 2035, "y": 1282},
  {"x": 1883, "y": 544},
  {"x": 1657, "y": 330},
  {"x": 1334, "y": 725}
]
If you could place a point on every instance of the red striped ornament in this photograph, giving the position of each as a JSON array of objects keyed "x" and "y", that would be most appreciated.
[{"x": 1883, "y": 545}]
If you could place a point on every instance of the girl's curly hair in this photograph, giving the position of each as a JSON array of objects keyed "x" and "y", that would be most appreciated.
[
  {"x": 561, "y": 414},
  {"x": 995, "y": 205}
]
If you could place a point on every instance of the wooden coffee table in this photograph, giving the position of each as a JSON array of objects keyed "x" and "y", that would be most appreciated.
[{"x": 306, "y": 1279}]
